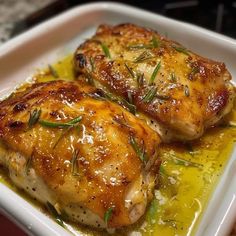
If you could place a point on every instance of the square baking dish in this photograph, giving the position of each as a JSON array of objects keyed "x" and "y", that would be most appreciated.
[{"x": 58, "y": 37}]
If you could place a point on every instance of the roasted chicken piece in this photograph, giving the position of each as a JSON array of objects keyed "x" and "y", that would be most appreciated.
[
  {"x": 72, "y": 149},
  {"x": 178, "y": 92}
]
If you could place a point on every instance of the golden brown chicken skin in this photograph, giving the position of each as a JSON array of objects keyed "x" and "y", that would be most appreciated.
[
  {"x": 179, "y": 92},
  {"x": 66, "y": 145}
]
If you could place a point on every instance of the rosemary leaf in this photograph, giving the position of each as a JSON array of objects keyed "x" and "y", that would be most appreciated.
[
  {"x": 106, "y": 50},
  {"x": 162, "y": 170},
  {"x": 53, "y": 72},
  {"x": 128, "y": 105},
  {"x": 140, "y": 79},
  {"x": 91, "y": 60},
  {"x": 186, "y": 91},
  {"x": 152, "y": 211},
  {"x": 181, "y": 49},
  {"x": 74, "y": 163},
  {"x": 143, "y": 57},
  {"x": 150, "y": 95},
  {"x": 182, "y": 162},
  {"x": 34, "y": 117},
  {"x": 154, "y": 73},
  {"x": 55, "y": 214},
  {"x": 60, "y": 125},
  {"x": 140, "y": 152},
  {"x": 139, "y": 46},
  {"x": 130, "y": 70},
  {"x": 155, "y": 43},
  {"x": 108, "y": 215}
]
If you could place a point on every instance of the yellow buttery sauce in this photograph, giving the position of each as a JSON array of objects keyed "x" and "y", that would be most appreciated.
[{"x": 184, "y": 188}]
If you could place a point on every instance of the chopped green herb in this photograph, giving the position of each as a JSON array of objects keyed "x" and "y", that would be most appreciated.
[
  {"x": 152, "y": 212},
  {"x": 131, "y": 107},
  {"x": 154, "y": 73},
  {"x": 108, "y": 215},
  {"x": 52, "y": 71},
  {"x": 74, "y": 163},
  {"x": 181, "y": 49},
  {"x": 140, "y": 79},
  {"x": 70, "y": 123},
  {"x": 55, "y": 214},
  {"x": 162, "y": 170},
  {"x": 91, "y": 60},
  {"x": 186, "y": 91},
  {"x": 140, "y": 152},
  {"x": 34, "y": 117},
  {"x": 130, "y": 70},
  {"x": 143, "y": 57},
  {"x": 150, "y": 95},
  {"x": 139, "y": 46},
  {"x": 182, "y": 162},
  {"x": 106, "y": 50},
  {"x": 155, "y": 43}
]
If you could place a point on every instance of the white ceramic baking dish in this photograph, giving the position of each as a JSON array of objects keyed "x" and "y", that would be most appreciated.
[{"x": 50, "y": 41}]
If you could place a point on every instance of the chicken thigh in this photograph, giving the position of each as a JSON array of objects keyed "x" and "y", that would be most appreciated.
[
  {"x": 178, "y": 92},
  {"x": 72, "y": 149}
]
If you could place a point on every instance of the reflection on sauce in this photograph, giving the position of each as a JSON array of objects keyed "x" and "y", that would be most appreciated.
[{"x": 188, "y": 176}]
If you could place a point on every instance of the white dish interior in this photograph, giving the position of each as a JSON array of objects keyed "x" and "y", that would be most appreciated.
[{"x": 52, "y": 40}]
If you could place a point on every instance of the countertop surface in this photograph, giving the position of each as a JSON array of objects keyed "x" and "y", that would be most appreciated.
[{"x": 11, "y": 12}]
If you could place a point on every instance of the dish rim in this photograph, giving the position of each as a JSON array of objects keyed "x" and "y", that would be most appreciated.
[{"x": 223, "y": 219}]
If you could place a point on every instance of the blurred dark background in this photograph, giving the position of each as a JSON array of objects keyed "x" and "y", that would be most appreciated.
[{"x": 216, "y": 15}]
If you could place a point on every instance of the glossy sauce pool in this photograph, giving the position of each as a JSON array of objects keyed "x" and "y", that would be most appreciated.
[{"x": 188, "y": 176}]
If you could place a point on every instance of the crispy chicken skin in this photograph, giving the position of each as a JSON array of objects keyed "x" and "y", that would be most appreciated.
[
  {"x": 179, "y": 92},
  {"x": 107, "y": 161}
]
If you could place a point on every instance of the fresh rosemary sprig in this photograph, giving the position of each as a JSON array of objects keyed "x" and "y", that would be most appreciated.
[
  {"x": 34, "y": 117},
  {"x": 108, "y": 215},
  {"x": 74, "y": 163},
  {"x": 106, "y": 50},
  {"x": 143, "y": 57},
  {"x": 55, "y": 214},
  {"x": 52, "y": 71},
  {"x": 150, "y": 95},
  {"x": 130, "y": 70},
  {"x": 139, "y": 151},
  {"x": 182, "y": 162},
  {"x": 181, "y": 49},
  {"x": 60, "y": 125},
  {"x": 139, "y": 46},
  {"x": 154, "y": 43},
  {"x": 154, "y": 73}
]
